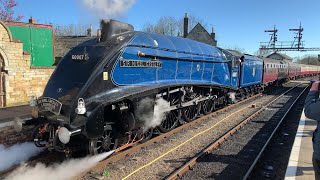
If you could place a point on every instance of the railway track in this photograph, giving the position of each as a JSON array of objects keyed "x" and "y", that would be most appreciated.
[
  {"x": 121, "y": 155},
  {"x": 273, "y": 132},
  {"x": 204, "y": 164},
  {"x": 48, "y": 158},
  {"x": 130, "y": 153}
]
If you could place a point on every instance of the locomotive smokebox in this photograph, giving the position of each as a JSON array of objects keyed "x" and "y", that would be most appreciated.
[{"x": 109, "y": 28}]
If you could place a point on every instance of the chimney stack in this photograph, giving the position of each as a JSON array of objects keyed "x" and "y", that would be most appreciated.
[
  {"x": 213, "y": 36},
  {"x": 32, "y": 21},
  {"x": 185, "y": 25}
]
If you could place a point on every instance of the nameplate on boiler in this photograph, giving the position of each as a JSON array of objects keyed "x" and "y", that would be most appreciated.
[{"x": 140, "y": 63}]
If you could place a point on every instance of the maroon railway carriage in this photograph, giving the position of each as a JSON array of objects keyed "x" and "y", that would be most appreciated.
[
  {"x": 270, "y": 70},
  {"x": 293, "y": 70},
  {"x": 279, "y": 71}
]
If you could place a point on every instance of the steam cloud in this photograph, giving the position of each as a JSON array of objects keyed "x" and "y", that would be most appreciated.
[
  {"x": 108, "y": 8},
  {"x": 65, "y": 170},
  {"x": 232, "y": 96},
  {"x": 16, "y": 154},
  {"x": 152, "y": 117}
]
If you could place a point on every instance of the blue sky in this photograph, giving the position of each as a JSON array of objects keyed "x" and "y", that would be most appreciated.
[{"x": 238, "y": 23}]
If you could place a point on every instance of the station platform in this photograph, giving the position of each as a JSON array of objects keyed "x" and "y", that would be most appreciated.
[
  {"x": 9, "y": 113},
  {"x": 300, "y": 163}
]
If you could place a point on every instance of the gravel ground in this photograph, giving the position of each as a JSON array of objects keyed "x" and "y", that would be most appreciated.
[
  {"x": 234, "y": 157},
  {"x": 274, "y": 161},
  {"x": 163, "y": 166}
]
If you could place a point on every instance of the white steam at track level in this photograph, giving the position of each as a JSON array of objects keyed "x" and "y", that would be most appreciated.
[
  {"x": 232, "y": 97},
  {"x": 63, "y": 171},
  {"x": 107, "y": 9},
  {"x": 16, "y": 154},
  {"x": 152, "y": 117}
]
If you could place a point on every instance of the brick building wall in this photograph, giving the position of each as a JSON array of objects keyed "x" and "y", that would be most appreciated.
[{"x": 20, "y": 81}]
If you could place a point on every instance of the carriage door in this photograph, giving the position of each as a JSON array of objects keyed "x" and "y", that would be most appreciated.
[
  {"x": 234, "y": 73},
  {"x": 1, "y": 83}
]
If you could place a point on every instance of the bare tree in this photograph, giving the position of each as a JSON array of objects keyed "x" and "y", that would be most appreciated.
[
  {"x": 165, "y": 25},
  {"x": 71, "y": 30},
  {"x": 6, "y": 10},
  {"x": 172, "y": 26},
  {"x": 309, "y": 59}
]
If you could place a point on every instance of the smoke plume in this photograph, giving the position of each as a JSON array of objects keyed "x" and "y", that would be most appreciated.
[
  {"x": 108, "y": 8},
  {"x": 65, "y": 170},
  {"x": 152, "y": 116},
  {"x": 16, "y": 154}
]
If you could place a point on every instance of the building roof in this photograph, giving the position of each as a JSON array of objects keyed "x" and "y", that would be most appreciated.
[
  {"x": 279, "y": 56},
  {"x": 199, "y": 33}
]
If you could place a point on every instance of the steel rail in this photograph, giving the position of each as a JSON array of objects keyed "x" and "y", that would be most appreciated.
[
  {"x": 272, "y": 134},
  {"x": 122, "y": 154},
  {"x": 188, "y": 166}
]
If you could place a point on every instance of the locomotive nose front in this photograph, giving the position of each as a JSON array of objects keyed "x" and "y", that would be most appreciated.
[
  {"x": 61, "y": 109},
  {"x": 62, "y": 93}
]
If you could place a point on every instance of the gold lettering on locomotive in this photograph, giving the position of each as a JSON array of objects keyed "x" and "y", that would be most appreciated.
[{"x": 140, "y": 63}]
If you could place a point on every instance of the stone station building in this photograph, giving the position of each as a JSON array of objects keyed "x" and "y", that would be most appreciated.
[{"x": 18, "y": 79}]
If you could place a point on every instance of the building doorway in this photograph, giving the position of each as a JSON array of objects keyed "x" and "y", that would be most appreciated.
[{"x": 2, "y": 83}]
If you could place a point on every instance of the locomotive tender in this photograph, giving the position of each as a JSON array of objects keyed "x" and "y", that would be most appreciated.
[{"x": 91, "y": 99}]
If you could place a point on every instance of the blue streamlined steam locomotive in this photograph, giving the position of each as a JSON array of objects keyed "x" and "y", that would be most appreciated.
[{"x": 91, "y": 100}]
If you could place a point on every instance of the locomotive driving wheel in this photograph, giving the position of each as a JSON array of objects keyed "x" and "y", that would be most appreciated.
[
  {"x": 170, "y": 122},
  {"x": 190, "y": 113},
  {"x": 208, "y": 106},
  {"x": 171, "y": 118},
  {"x": 105, "y": 143}
]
